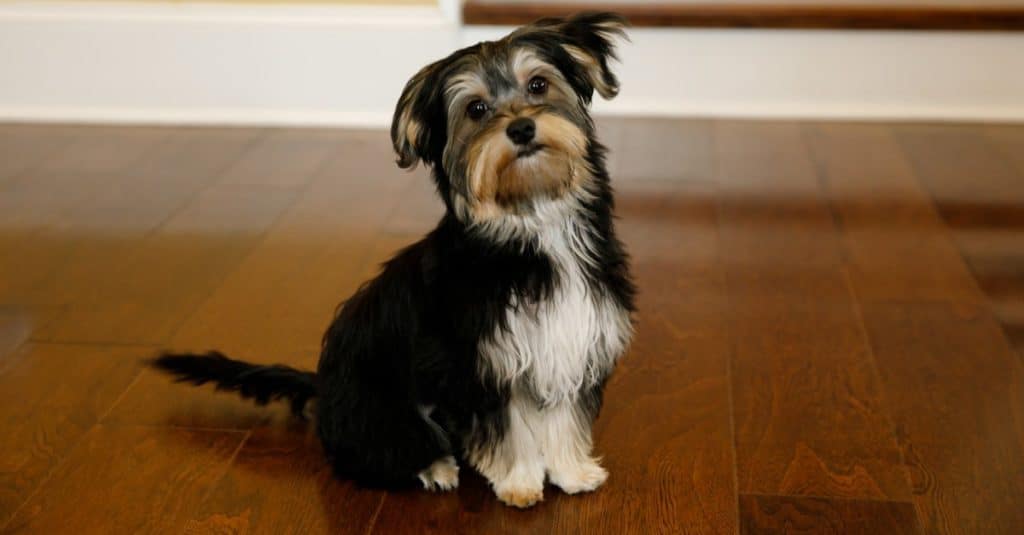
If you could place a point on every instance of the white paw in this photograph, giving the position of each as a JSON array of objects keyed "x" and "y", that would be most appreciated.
[
  {"x": 521, "y": 487},
  {"x": 442, "y": 475},
  {"x": 583, "y": 477},
  {"x": 519, "y": 496}
]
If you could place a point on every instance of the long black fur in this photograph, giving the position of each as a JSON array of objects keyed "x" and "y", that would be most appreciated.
[
  {"x": 409, "y": 338},
  {"x": 262, "y": 384}
]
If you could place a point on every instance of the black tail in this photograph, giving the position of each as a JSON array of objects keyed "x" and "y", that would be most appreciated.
[{"x": 261, "y": 384}]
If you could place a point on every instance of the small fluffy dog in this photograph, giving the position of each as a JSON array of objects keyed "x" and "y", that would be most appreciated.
[{"x": 490, "y": 339}]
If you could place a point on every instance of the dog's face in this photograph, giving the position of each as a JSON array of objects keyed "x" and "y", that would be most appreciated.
[{"x": 506, "y": 123}]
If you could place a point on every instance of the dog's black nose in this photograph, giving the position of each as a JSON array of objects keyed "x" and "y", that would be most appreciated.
[{"x": 521, "y": 130}]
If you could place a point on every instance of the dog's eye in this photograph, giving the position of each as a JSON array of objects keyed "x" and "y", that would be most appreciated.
[
  {"x": 476, "y": 109},
  {"x": 538, "y": 85}
]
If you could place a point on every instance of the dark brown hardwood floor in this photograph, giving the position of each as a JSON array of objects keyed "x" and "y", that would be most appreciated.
[{"x": 830, "y": 333}]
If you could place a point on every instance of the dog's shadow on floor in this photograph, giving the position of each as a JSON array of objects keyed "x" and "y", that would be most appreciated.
[{"x": 274, "y": 476}]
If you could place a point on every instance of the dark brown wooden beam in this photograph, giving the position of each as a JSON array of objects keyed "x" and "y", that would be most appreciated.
[{"x": 712, "y": 15}]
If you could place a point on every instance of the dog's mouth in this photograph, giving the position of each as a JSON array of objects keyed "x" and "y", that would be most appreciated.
[{"x": 530, "y": 150}]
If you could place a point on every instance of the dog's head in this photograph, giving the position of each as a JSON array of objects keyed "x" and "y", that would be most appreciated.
[{"x": 506, "y": 123}]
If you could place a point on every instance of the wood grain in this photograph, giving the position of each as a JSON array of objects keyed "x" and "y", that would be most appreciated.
[
  {"x": 129, "y": 480},
  {"x": 286, "y": 157},
  {"x": 660, "y": 149},
  {"x": 40, "y": 209},
  {"x": 146, "y": 295},
  {"x": 857, "y": 15},
  {"x": 809, "y": 412},
  {"x": 50, "y": 396},
  {"x": 1001, "y": 258},
  {"x": 16, "y": 325},
  {"x": 277, "y": 303},
  {"x": 984, "y": 213},
  {"x": 770, "y": 515},
  {"x": 23, "y": 147},
  {"x": 280, "y": 483},
  {"x": 895, "y": 243},
  {"x": 94, "y": 278},
  {"x": 785, "y": 227},
  {"x": 957, "y": 395}
]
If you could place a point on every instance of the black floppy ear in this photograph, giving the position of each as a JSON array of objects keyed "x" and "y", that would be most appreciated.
[
  {"x": 589, "y": 40},
  {"x": 410, "y": 128}
]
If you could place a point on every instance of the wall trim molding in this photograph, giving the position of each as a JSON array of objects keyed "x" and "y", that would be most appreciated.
[{"x": 212, "y": 12}]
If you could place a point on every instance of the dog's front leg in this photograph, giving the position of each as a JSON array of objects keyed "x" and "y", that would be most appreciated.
[
  {"x": 567, "y": 446},
  {"x": 513, "y": 463}
]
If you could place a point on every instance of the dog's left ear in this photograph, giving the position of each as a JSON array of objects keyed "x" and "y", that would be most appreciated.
[{"x": 589, "y": 38}]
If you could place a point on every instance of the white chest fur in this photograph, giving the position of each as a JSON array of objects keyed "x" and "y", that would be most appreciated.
[{"x": 567, "y": 342}]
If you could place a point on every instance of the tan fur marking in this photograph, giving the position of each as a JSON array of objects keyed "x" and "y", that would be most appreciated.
[
  {"x": 521, "y": 498},
  {"x": 412, "y": 131},
  {"x": 499, "y": 181}
]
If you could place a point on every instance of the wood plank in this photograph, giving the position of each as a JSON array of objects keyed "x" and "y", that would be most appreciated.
[
  {"x": 37, "y": 207},
  {"x": 277, "y": 304},
  {"x": 770, "y": 202},
  {"x": 809, "y": 411},
  {"x": 1007, "y": 280},
  {"x": 758, "y": 253},
  {"x": 146, "y": 296},
  {"x": 129, "y": 480},
  {"x": 664, "y": 432},
  {"x": 895, "y": 244},
  {"x": 660, "y": 149},
  {"x": 94, "y": 153},
  {"x": 92, "y": 241},
  {"x": 790, "y": 514},
  {"x": 957, "y": 395},
  {"x": 50, "y": 395},
  {"x": 1008, "y": 140},
  {"x": 809, "y": 414},
  {"x": 862, "y": 14},
  {"x": 287, "y": 157},
  {"x": 16, "y": 325},
  {"x": 974, "y": 185},
  {"x": 280, "y": 483},
  {"x": 976, "y": 177},
  {"x": 23, "y": 147}
]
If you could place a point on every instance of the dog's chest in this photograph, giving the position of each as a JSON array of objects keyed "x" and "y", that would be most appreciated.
[{"x": 569, "y": 341}]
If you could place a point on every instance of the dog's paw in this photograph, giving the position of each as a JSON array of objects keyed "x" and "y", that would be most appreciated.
[
  {"x": 583, "y": 477},
  {"x": 521, "y": 497},
  {"x": 442, "y": 475}
]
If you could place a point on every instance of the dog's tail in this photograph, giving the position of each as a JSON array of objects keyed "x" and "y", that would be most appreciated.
[{"x": 261, "y": 384}]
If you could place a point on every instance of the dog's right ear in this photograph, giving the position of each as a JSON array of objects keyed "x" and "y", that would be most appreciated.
[{"x": 410, "y": 131}]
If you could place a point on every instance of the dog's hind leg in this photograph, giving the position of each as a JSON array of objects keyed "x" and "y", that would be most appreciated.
[
  {"x": 442, "y": 474},
  {"x": 380, "y": 441}
]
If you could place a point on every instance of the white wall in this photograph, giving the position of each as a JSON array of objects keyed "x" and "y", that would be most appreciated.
[
  {"x": 213, "y": 64},
  {"x": 344, "y": 65}
]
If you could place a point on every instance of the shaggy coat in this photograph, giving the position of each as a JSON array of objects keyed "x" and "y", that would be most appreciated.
[{"x": 491, "y": 339}]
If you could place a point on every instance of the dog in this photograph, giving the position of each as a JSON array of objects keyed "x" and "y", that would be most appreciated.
[{"x": 491, "y": 339}]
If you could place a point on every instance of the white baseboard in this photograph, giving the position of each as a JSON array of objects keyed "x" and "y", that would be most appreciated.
[
  {"x": 345, "y": 65},
  {"x": 199, "y": 116}
]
